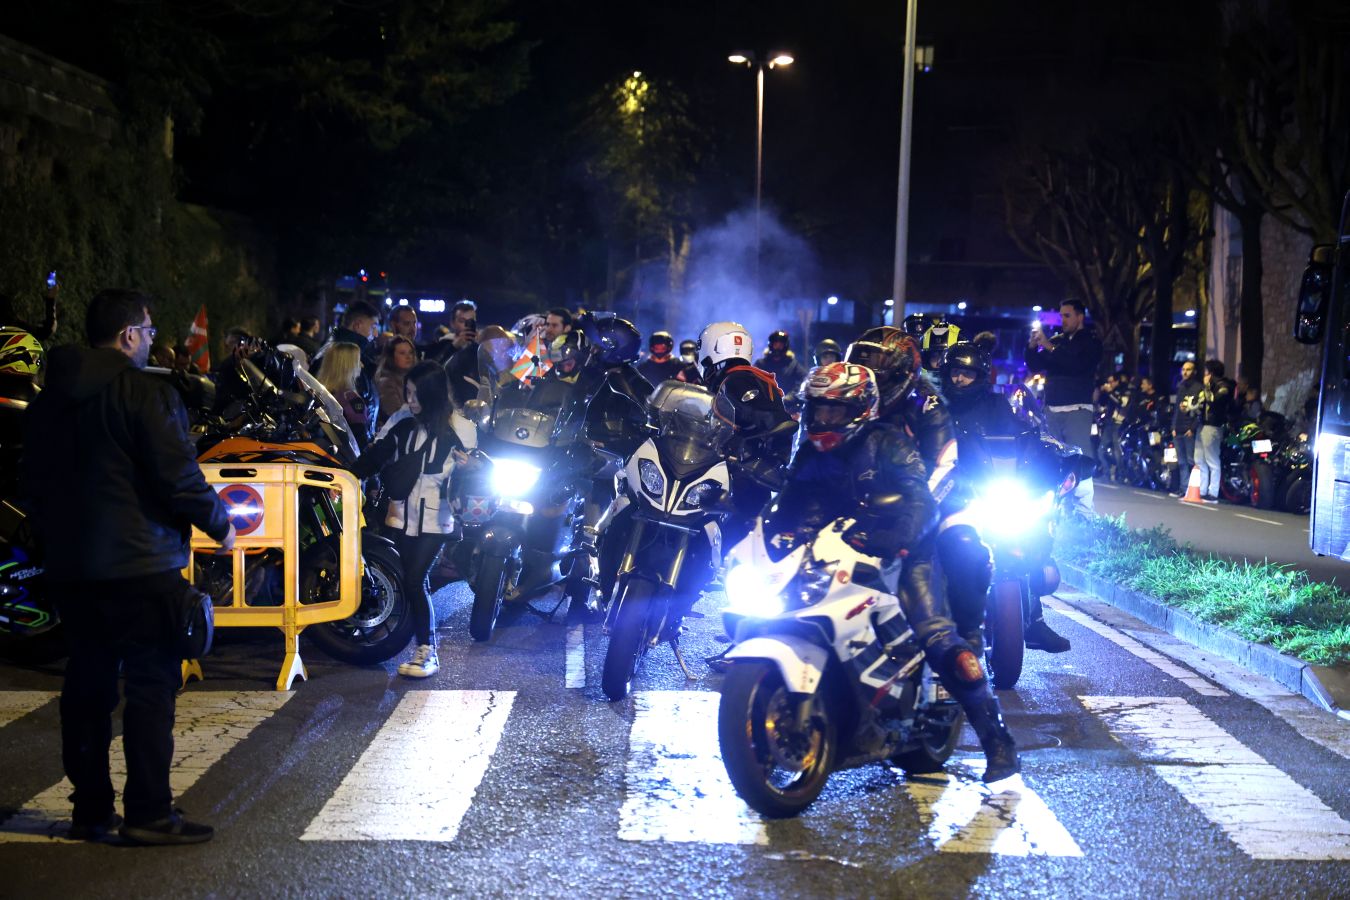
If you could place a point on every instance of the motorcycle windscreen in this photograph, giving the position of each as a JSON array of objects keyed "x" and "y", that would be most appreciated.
[{"x": 331, "y": 407}]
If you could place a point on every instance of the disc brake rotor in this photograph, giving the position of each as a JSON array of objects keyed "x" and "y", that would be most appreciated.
[{"x": 789, "y": 746}]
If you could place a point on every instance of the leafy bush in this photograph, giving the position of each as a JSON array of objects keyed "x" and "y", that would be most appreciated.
[{"x": 1262, "y": 602}]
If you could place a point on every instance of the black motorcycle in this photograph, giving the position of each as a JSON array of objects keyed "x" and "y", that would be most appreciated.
[
  {"x": 545, "y": 446},
  {"x": 1292, "y": 465},
  {"x": 1247, "y": 461}
]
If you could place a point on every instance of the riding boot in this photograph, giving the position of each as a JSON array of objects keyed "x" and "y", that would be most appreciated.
[{"x": 1000, "y": 751}]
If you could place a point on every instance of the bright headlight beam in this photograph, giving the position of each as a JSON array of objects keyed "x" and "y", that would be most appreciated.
[
  {"x": 511, "y": 477},
  {"x": 750, "y": 592}
]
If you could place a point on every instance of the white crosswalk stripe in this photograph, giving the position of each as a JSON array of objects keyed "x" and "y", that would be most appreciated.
[
  {"x": 677, "y": 787},
  {"x": 208, "y": 725},
  {"x": 15, "y": 705},
  {"x": 418, "y": 777},
  {"x": 1263, "y": 810},
  {"x": 576, "y": 657},
  {"x": 964, "y": 815}
]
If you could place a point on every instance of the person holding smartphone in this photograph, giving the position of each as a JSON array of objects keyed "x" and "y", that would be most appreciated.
[{"x": 1069, "y": 361}]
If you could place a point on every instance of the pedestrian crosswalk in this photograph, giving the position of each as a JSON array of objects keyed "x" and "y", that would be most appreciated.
[{"x": 427, "y": 764}]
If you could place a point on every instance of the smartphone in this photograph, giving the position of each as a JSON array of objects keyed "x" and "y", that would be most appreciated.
[
  {"x": 471, "y": 325},
  {"x": 51, "y": 279}
]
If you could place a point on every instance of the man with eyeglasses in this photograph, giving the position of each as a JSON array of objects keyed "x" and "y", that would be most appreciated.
[{"x": 113, "y": 486}]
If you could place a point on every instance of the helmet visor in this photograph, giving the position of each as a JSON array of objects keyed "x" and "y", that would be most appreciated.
[
  {"x": 829, "y": 415},
  {"x": 868, "y": 354}
]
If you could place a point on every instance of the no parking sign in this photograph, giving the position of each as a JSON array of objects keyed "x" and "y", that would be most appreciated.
[{"x": 244, "y": 505}]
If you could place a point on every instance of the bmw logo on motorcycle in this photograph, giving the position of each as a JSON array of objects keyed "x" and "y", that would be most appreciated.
[{"x": 522, "y": 433}]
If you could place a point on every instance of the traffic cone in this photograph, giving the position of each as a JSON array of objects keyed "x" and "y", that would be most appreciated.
[{"x": 1193, "y": 487}]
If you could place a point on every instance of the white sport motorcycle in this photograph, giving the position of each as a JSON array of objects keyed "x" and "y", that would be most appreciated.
[{"x": 810, "y": 688}]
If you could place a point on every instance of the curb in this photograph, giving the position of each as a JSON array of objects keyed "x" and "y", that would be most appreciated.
[{"x": 1326, "y": 686}]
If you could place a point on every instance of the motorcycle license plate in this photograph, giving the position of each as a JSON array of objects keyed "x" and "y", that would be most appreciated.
[
  {"x": 1262, "y": 446},
  {"x": 1170, "y": 455},
  {"x": 1154, "y": 438},
  {"x": 1094, "y": 429}
]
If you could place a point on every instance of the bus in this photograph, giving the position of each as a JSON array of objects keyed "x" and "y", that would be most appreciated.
[{"x": 1323, "y": 316}]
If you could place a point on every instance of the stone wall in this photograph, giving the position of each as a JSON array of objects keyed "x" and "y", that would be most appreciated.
[{"x": 1289, "y": 368}]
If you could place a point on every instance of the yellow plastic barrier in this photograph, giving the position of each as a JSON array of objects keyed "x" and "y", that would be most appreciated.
[{"x": 264, "y": 504}]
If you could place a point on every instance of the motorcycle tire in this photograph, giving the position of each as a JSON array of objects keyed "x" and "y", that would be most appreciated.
[
  {"x": 495, "y": 576},
  {"x": 1235, "y": 487},
  {"x": 1297, "y": 496},
  {"x": 37, "y": 649},
  {"x": 628, "y": 638},
  {"x": 754, "y": 710},
  {"x": 1003, "y": 630},
  {"x": 382, "y": 625},
  {"x": 1263, "y": 485},
  {"x": 937, "y": 743}
]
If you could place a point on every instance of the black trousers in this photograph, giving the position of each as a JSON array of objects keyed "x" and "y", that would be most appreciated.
[
  {"x": 111, "y": 625},
  {"x": 417, "y": 553}
]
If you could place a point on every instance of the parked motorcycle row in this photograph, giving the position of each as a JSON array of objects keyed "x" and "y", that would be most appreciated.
[{"x": 1265, "y": 462}]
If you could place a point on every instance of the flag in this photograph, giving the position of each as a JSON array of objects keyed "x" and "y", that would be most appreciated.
[
  {"x": 533, "y": 363},
  {"x": 199, "y": 350}
]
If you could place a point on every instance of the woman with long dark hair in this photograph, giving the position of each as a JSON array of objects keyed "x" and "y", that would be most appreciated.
[{"x": 416, "y": 457}]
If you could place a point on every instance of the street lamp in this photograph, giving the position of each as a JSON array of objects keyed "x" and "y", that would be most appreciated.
[
  {"x": 916, "y": 59},
  {"x": 751, "y": 60}
]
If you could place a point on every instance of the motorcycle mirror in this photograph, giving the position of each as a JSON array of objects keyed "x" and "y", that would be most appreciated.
[{"x": 476, "y": 411}]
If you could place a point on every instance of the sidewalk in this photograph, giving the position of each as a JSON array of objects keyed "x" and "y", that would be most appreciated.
[{"x": 1328, "y": 687}]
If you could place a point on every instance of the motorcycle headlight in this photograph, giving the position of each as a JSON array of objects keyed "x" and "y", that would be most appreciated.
[
  {"x": 512, "y": 478},
  {"x": 652, "y": 479},
  {"x": 1007, "y": 508},
  {"x": 700, "y": 495},
  {"x": 750, "y": 593},
  {"x": 811, "y": 584}
]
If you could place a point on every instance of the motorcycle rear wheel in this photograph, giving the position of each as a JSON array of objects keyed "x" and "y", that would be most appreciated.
[
  {"x": 777, "y": 769},
  {"x": 1297, "y": 496},
  {"x": 1003, "y": 630},
  {"x": 495, "y": 576},
  {"x": 628, "y": 638},
  {"x": 1263, "y": 485},
  {"x": 381, "y": 626}
]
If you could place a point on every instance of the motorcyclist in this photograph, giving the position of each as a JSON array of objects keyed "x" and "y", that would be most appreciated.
[
  {"x": 937, "y": 340},
  {"x": 780, "y": 362},
  {"x": 661, "y": 365},
  {"x": 911, "y": 402},
  {"x": 851, "y": 464},
  {"x": 689, "y": 353},
  {"x": 750, "y": 399},
  {"x": 828, "y": 351},
  {"x": 976, "y": 410},
  {"x": 21, "y": 358}
]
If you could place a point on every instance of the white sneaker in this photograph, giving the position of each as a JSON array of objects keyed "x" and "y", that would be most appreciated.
[{"x": 423, "y": 664}]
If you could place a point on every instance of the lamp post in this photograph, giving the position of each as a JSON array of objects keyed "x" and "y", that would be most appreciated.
[
  {"x": 922, "y": 61},
  {"x": 753, "y": 61}
]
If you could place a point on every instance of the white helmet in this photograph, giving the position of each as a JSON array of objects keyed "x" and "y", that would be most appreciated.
[{"x": 722, "y": 341}]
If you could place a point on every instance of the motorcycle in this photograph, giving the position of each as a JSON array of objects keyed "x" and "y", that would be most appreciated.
[
  {"x": 1145, "y": 444},
  {"x": 810, "y": 690},
  {"x": 668, "y": 506},
  {"x": 1247, "y": 473},
  {"x": 543, "y": 453},
  {"x": 1292, "y": 464},
  {"x": 304, "y": 423},
  {"x": 1024, "y": 481}
]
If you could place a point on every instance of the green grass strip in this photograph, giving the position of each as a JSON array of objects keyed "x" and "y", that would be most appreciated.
[{"x": 1261, "y": 602}]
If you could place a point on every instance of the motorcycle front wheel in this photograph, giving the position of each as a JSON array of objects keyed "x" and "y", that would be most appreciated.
[
  {"x": 1003, "y": 630},
  {"x": 496, "y": 575},
  {"x": 382, "y": 624},
  {"x": 776, "y": 766},
  {"x": 628, "y": 638},
  {"x": 1298, "y": 496}
]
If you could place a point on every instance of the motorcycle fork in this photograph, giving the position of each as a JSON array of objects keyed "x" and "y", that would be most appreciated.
[{"x": 626, "y": 562}]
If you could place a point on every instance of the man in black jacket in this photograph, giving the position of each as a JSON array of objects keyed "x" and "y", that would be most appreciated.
[
  {"x": 1069, "y": 361},
  {"x": 114, "y": 489},
  {"x": 1186, "y": 423}
]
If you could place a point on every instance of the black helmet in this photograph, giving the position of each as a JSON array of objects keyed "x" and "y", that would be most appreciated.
[
  {"x": 568, "y": 353},
  {"x": 916, "y": 324},
  {"x": 825, "y": 348},
  {"x": 616, "y": 341},
  {"x": 969, "y": 356},
  {"x": 689, "y": 350},
  {"x": 660, "y": 337},
  {"x": 779, "y": 337},
  {"x": 892, "y": 355}
]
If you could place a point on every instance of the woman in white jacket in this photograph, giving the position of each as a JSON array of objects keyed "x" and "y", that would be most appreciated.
[{"x": 417, "y": 456}]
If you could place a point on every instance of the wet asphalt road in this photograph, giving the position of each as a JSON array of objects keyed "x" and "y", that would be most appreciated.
[
  {"x": 1224, "y": 529},
  {"x": 1144, "y": 776}
]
